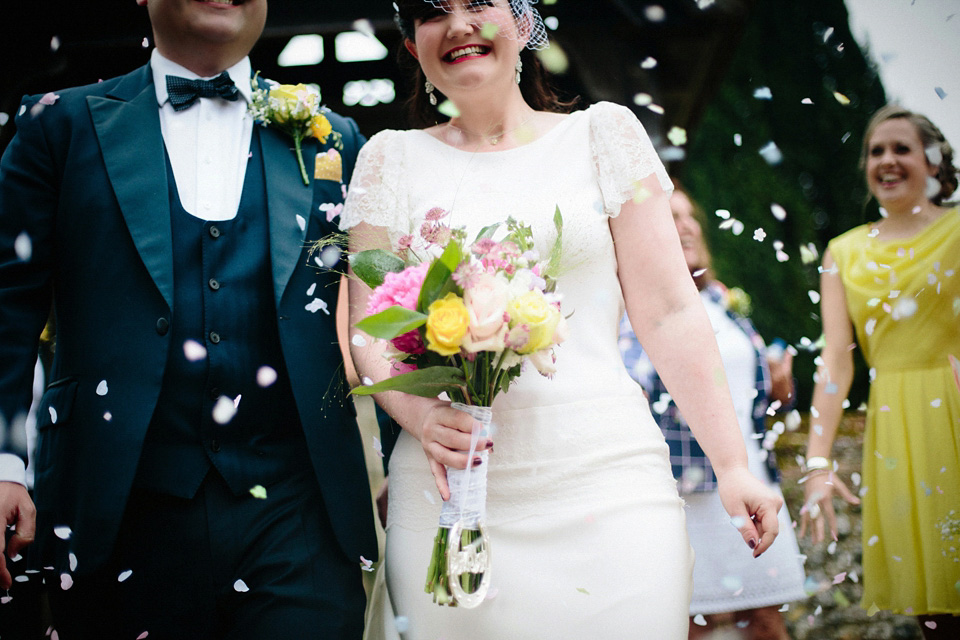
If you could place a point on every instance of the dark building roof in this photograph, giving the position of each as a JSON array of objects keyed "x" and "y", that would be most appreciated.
[{"x": 44, "y": 47}]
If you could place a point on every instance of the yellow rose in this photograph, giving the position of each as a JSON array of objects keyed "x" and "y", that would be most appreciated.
[
  {"x": 291, "y": 101},
  {"x": 531, "y": 313},
  {"x": 447, "y": 322},
  {"x": 320, "y": 127}
]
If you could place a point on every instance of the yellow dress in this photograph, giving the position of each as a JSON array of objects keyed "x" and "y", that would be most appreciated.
[{"x": 903, "y": 297}]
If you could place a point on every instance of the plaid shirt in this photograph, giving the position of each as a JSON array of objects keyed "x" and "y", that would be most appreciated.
[{"x": 690, "y": 464}]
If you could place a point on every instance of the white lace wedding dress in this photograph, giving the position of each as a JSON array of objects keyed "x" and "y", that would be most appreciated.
[{"x": 587, "y": 530}]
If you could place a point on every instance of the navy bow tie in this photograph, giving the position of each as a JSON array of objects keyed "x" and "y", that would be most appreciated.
[{"x": 183, "y": 92}]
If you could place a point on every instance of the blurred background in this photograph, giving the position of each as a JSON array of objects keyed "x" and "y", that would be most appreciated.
[{"x": 757, "y": 106}]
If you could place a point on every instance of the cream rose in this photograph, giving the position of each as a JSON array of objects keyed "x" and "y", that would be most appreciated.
[{"x": 486, "y": 302}]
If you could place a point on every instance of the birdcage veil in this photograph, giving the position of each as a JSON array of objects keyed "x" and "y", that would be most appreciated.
[{"x": 492, "y": 23}]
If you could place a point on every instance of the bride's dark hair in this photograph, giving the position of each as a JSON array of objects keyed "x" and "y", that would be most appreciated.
[{"x": 534, "y": 80}]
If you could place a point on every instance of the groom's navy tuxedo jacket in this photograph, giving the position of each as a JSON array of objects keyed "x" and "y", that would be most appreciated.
[{"x": 85, "y": 222}]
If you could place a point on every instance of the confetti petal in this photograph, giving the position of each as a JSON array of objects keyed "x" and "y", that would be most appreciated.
[
  {"x": 194, "y": 351},
  {"x": 66, "y": 581},
  {"x": 224, "y": 410},
  {"x": 266, "y": 376},
  {"x": 63, "y": 532},
  {"x": 240, "y": 586},
  {"x": 23, "y": 247},
  {"x": 124, "y": 575},
  {"x": 258, "y": 492},
  {"x": 102, "y": 388}
]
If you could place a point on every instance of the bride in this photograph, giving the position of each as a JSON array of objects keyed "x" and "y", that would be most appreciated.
[{"x": 587, "y": 529}]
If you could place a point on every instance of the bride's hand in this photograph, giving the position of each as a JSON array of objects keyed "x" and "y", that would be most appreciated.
[
  {"x": 445, "y": 437},
  {"x": 752, "y": 507}
]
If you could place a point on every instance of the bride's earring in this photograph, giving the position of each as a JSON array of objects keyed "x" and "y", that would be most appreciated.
[
  {"x": 429, "y": 88},
  {"x": 519, "y": 68}
]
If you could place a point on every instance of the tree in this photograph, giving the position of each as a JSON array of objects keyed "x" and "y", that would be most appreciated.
[{"x": 782, "y": 135}]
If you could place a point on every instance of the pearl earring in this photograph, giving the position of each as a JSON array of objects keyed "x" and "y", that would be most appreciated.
[
  {"x": 519, "y": 68},
  {"x": 429, "y": 88}
]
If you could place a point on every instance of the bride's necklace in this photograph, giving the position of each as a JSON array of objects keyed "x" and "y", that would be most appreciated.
[{"x": 493, "y": 139}]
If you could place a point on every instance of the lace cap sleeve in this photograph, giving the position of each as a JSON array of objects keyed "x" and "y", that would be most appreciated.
[
  {"x": 623, "y": 155},
  {"x": 373, "y": 194}
]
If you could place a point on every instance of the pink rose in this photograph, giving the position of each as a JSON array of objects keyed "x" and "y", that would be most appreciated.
[{"x": 486, "y": 301}]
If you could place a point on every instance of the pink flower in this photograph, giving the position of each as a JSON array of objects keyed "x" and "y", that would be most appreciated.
[
  {"x": 398, "y": 368},
  {"x": 436, "y": 214},
  {"x": 401, "y": 289}
]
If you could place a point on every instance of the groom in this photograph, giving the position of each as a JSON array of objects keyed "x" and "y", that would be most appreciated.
[{"x": 199, "y": 472}]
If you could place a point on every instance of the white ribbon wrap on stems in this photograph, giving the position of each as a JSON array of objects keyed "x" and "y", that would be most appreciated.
[{"x": 468, "y": 487}]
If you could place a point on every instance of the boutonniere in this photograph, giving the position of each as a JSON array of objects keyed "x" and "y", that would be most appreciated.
[
  {"x": 294, "y": 109},
  {"x": 738, "y": 301}
]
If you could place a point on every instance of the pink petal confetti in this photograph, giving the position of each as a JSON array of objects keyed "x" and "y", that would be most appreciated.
[
  {"x": 66, "y": 581},
  {"x": 143, "y": 635},
  {"x": 240, "y": 586},
  {"x": 107, "y": 416},
  {"x": 366, "y": 565},
  {"x": 840, "y": 577},
  {"x": 124, "y": 575},
  {"x": 5, "y": 599},
  {"x": 49, "y": 99},
  {"x": 930, "y": 624},
  {"x": 377, "y": 446}
]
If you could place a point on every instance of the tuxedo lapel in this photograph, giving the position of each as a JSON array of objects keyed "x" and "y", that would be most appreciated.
[
  {"x": 288, "y": 203},
  {"x": 127, "y": 123}
]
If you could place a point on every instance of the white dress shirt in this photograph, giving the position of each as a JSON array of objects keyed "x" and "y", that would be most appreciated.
[{"x": 208, "y": 145}]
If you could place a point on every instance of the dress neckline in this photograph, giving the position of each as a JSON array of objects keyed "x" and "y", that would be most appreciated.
[
  {"x": 553, "y": 131},
  {"x": 951, "y": 212}
]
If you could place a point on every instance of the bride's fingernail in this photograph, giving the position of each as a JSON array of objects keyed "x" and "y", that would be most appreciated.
[
  {"x": 477, "y": 462},
  {"x": 752, "y": 543}
]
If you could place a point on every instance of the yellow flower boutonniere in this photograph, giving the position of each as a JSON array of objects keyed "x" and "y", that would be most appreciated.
[
  {"x": 738, "y": 301},
  {"x": 294, "y": 109}
]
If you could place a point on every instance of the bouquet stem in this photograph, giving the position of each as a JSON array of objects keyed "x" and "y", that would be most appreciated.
[{"x": 459, "y": 569}]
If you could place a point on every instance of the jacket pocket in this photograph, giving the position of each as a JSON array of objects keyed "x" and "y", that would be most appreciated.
[{"x": 56, "y": 405}]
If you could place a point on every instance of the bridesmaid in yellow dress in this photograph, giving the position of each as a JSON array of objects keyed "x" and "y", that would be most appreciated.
[{"x": 895, "y": 283}]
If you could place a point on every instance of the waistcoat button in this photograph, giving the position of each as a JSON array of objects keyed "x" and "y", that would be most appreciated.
[{"x": 163, "y": 325}]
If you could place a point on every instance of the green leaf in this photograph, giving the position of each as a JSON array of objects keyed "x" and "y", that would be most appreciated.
[
  {"x": 437, "y": 281},
  {"x": 373, "y": 265},
  {"x": 553, "y": 264},
  {"x": 391, "y": 322},
  {"x": 427, "y": 383},
  {"x": 488, "y": 231}
]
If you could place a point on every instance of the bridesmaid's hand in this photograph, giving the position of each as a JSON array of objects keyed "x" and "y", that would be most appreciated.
[
  {"x": 818, "y": 503},
  {"x": 445, "y": 437},
  {"x": 752, "y": 507}
]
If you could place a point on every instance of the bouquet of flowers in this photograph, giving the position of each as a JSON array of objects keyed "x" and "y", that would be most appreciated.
[
  {"x": 294, "y": 109},
  {"x": 461, "y": 319}
]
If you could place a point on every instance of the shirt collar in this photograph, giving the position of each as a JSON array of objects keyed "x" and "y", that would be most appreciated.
[{"x": 161, "y": 67}]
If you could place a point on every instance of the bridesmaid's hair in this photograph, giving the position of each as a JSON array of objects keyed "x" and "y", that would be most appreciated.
[
  {"x": 534, "y": 80},
  {"x": 705, "y": 276},
  {"x": 930, "y": 136}
]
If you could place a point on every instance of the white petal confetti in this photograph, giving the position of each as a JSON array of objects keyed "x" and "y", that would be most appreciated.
[
  {"x": 402, "y": 623},
  {"x": 771, "y": 153},
  {"x": 259, "y": 492},
  {"x": 699, "y": 620},
  {"x": 367, "y": 381},
  {"x": 266, "y": 376},
  {"x": 648, "y": 63},
  {"x": 73, "y": 562},
  {"x": 759, "y": 235},
  {"x": 124, "y": 575},
  {"x": 763, "y": 93},
  {"x": 63, "y": 532},
  {"x": 935, "y": 403},
  {"x": 102, "y": 388},
  {"x": 107, "y": 416},
  {"x": 312, "y": 288},
  {"x": 240, "y": 586},
  {"x": 778, "y": 212},
  {"x": 194, "y": 351},
  {"x": 143, "y": 635},
  {"x": 53, "y": 415},
  {"x": 23, "y": 247},
  {"x": 677, "y": 136},
  {"x": 814, "y": 296},
  {"x": 873, "y": 540},
  {"x": 377, "y": 446},
  {"x": 301, "y": 222},
  {"x": 358, "y": 340},
  {"x": 318, "y": 304},
  {"x": 366, "y": 565},
  {"x": 224, "y": 410}
]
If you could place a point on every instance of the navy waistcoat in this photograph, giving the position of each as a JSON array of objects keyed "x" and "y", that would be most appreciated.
[{"x": 226, "y": 400}]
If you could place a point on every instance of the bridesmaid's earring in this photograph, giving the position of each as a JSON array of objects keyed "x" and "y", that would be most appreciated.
[
  {"x": 519, "y": 68},
  {"x": 429, "y": 88}
]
